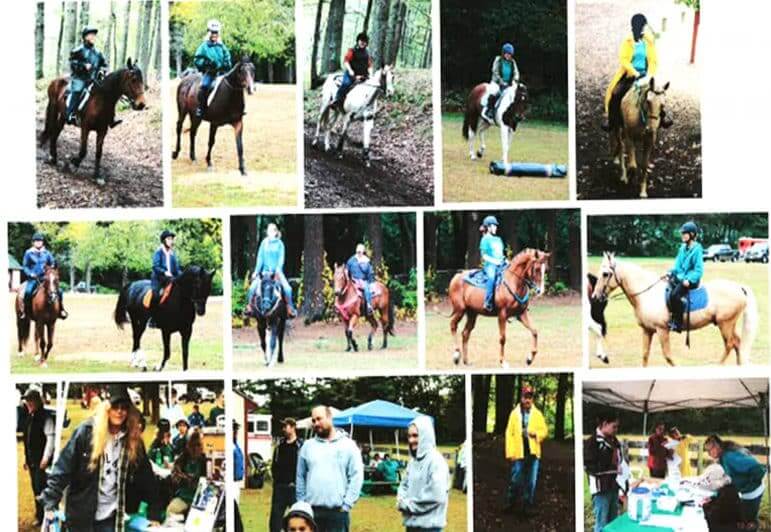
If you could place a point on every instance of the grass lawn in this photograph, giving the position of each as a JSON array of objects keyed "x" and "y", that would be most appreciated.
[
  {"x": 558, "y": 321},
  {"x": 466, "y": 180},
  {"x": 89, "y": 341},
  {"x": 26, "y": 499},
  {"x": 624, "y": 340}
]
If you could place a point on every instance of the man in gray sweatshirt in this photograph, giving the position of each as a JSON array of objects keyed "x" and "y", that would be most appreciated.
[
  {"x": 330, "y": 473},
  {"x": 424, "y": 490}
]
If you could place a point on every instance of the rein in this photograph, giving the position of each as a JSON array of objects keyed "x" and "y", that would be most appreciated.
[
  {"x": 522, "y": 300},
  {"x": 627, "y": 294}
]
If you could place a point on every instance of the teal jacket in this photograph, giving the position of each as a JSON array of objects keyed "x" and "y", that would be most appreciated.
[
  {"x": 689, "y": 264},
  {"x": 212, "y": 58},
  {"x": 746, "y": 473}
]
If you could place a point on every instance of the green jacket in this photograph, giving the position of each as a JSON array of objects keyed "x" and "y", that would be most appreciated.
[
  {"x": 193, "y": 470},
  {"x": 212, "y": 58},
  {"x": 157, "y": 454},
  {"x": 689, "y": 264}
]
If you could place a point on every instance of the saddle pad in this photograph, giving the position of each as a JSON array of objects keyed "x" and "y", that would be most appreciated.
[
  {"x": 478, "y": 279},
  {"x": 374, "y": 289},
  {"x": 698, "y": 299},
  {"x": 147, "y": 299},
  {"x": 528, "y": 169},
  {"x": 214, "y": 88}
]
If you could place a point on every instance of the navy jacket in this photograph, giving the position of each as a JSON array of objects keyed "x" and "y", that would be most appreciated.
[
  {"x": 360, "y": 270},
  {"x": 159, "y": 267}
]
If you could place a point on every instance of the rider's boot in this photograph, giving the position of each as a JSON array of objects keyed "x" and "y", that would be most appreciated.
[
  {"x": 116, "y": 123},
  {"x": 291, "y": 312},
  {"x": 203, "y": 94},
  {"x": 71, "y": 113},
  {"x": 675, "y": 325}
]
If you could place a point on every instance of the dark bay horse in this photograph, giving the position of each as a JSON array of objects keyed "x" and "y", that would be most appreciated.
[
  {"x": 187, "y": 299},
  {"x": 45, "y": 308},
  {"x": 226, "y": 107},
  {"x": 348, "y": 304},
  {"x": 98, "y": 113},
  {"x": 269, "y": 309},
  {"x": 525, "y": 272}
]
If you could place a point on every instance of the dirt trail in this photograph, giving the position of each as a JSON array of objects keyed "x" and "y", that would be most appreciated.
[{"x": 131, "y": 162}]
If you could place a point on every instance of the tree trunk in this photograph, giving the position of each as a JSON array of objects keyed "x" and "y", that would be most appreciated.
[
  {"x": 472, "y": 240},
  {"x": 72, "y": 271},
  {"x": 559, "y": 416},
  {"x": 40, "y": 39},
  {"x": 459, "y": 237},
  {"x": 333, "y": 37},
  {"x": 141, "y": 34},
  {"x": 85, "y": 14},
  {"x": 379, "y": 35},
  {"x": 368, "y": 12},
  {"x": 147, "y": 37},
  {"x": 313, "y": 267},
  {"x": 158, "y": 51},
  {"x": 504, "y": 399},
  {"x": 315, "y": 51},
  {"x": 427, "y": 51},
  {"x": 59, "y": 41},
  {"x": 508, "y": 231},
  {"x": 430, "y": 235},
  {"x": 375, "y": 236},
  {"x": 109, "y": 37},
  {"x": 270, "y": 72},
  {"x": 480, "y": 398},
  {"x": 393, "y": 24},
  {"x": 551, "y": 241},
  {"x": 88, "y": 278},
  {"x": 408, "y": 240},
  {"x": 574, "y": 251},
  {"x": 123, "y": 54},
  {"x": 398, "y": 34},
  {"x": 70, "y": 24}
]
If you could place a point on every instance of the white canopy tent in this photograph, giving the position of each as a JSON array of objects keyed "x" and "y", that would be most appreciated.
[{"x": 306, "y": 424}]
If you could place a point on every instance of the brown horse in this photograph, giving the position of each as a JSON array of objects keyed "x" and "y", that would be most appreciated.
[
  {"x": 348, "y": 304},
  {"x": 45, "y": 308},
  {"x": 641, "y": 111},
  {"x": 526, "y": 271},
  {"x": 97, "y": 115},
  {"x": 226, "y": 107}
]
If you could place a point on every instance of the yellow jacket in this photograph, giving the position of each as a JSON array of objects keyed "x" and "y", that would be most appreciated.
[
  {"x": 515, "y": 448},
  {"x": 625, "y": 59}
]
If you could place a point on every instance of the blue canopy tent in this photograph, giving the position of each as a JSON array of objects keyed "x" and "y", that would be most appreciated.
[{"x": 376, "y": 414}]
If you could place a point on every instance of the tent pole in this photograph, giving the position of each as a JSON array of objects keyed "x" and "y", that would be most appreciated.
[
  {"x": 371, "y": 445},
  {"x": 396, "y": 435}
]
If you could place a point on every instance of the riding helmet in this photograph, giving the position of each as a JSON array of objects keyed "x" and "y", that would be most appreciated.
[
  {"x": 490, "y": 220},
  {"x": 214, "y": 26},
  {"x": 166, "y": 234},
  {"x": 638, "y": 24},
  {"x": 38, "y": 237},
  {"x": 508, "y": 48},
  {"x": 362, "y": 37},
  {"x": 689, "y": 227},
  {"x": 87, "y": 30}
]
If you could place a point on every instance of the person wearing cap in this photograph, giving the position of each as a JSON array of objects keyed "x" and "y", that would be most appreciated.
[
  {"x": 361, "y": 272},
  {"x": 424, "y": 490},
  {"x": 492, "y": 252},
  {"x": 180, "y": 440},
  {"x": 38, "y": 432},
  {"x": 604, "y": 462},
  {"x": 525, "y": 432},
  {"x": 34, "y": 264},
  {"x": 104, "y": 469},
  {"x": 330, "y": 473},
  {"x": 357, "y": 67},
  {"x": 189, "y": 467},
  {"x": 686, "y": 274},
  {"x": 86, "y": 64},
  {"x": 212, "y": 58},
  {"x": 271, "y": 257},
  {"x": 504, "y": 74},
  {"x": 283, "y": 469},
  {"x": 299, "y": 518},
  {"x": 165, "y": 267}
]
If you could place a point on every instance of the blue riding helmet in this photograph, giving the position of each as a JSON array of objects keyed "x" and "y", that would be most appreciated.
[
  {"x": 689, "y": 227},
  {"x": 508, "y": 48},
  {"x": 490, "y": 220},
  {"x": 38, "y": 237}
]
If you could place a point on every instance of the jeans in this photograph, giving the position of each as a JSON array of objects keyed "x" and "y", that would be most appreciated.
[
  {"x": 345, "y": 86},
  {"x": 105, "y": 525},
  {"x": 605, "y": 505},
  {"x": 419, "y": 529},
  {"x": 524, "y": 477},
  {"x": 38, "y": 480},
  {"x": 332, "y": 519},
  {"x": 283, "y": 497},
  {"x": 491, "y": 272},
  {"x": 749, "y": 509},
  {"x": 29, "y": 291}
]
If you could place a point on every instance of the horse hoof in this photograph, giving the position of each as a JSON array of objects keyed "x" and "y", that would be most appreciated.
[
  {"x": 605, "y": 360},
  {"x": 244, "y": 174},
  {"x": 100, "y": 181},
  {"x": 75, "y": 161},
  {"x": 44, "y": 365},
  {"x": 174, "y": 155},
  {"x": 51, "y": 162},
  {"x": 456, "y": 357},
  {"x": 505, "y": 365},
  {"x": 643, "y": 195},
  {"x": 209, "y": 168},
  {"x": 368, "y": 164},
  {"x": 480, "y": 154},
  {"x": 348, "y": 349},
  {"x": 529, "y": 360}
]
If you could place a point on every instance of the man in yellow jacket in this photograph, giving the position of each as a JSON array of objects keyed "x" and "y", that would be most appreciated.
[{"x": 525, "y": 432}]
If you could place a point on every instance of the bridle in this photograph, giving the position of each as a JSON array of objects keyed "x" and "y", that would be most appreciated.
[{"x": 612, "y": 266}]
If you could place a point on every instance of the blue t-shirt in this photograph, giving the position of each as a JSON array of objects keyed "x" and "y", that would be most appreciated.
[
  {"x": 491, "y": 248},
  {"x": 640, "y": 57}
]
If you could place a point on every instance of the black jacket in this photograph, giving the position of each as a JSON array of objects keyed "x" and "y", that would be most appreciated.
[
  {"x": 136, "y": 482},
  {"x": 602, "y": 457},
  {"x": 283, "y": 467},
  {"x": 35, "y": 438}
]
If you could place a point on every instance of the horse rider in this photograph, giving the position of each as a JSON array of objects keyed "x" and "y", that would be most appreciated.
[
  {"x": 357, "y": 67},
  {"x": 638, "y": 63},
  {"x": 505, "y": 74},
  {"x": 686, "y": 274},
  {"x": 212, "y": 58},
  {"x": 34, "y": 264},
  {"x": 165, "y": 268},
  {"x": 360, "y": 270},
  {"x": 491, "y": 250},
  {"x": 271, "y": 256},
  {"x": 87, "y": 64}
]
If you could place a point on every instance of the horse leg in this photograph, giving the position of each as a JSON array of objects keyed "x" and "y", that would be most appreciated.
[
  {"x": 524, "y": 319},
  {"x": 194, "y": 123},
  {"x": 471, "y": 141},
  {"x": 98, "y": 161},
  {"x": 373, "y": 322},
  {"x": 281, "y": 330},
  {"x": 348, "y": 347},
  {"x": 186, "y": 333},
  {"x": 367, "y": 135},
  {"x": 646, "y": 154},
  {"x": 343, "y": 134},
  {"x": 505, "y": 141},
  {"x": 631, "y": 153},
  {"x": 482, "y": 143},
  {"x": 52, "y": 142},
  {"x": 456, "y": 316},
  {"x": 138, "y": 358},
  {"x": 322, "y": 117},
  {"x": 51, "y": 327},
  {"x": 40, "y": 342},
  {"x": 471, "y": 319},
  {"x": 731, "y": 339},
  {"x": 647, "y": 339},
  {"x": 502, "y": 339},
  {"x": 384, "y": 323},
  {"x": 166, "y": 335},
  {"x": 273, "y": 341},
  {"x": 666, "y": 348},
  {"x": 180, "y": 123},
  {"x": 212, "y": 136},
  {"x": 329, "y": 122},
  {"x": 83, "y": 147},
  {"x": 239, "y": 132}
]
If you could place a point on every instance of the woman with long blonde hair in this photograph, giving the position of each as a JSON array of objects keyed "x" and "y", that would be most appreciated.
[{"x": 105, "y": 467}]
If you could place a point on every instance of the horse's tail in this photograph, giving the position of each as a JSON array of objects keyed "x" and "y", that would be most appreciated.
[
  {"x": 749, "y": 325},
  {"x": 53, "y": 97},
  {"x": 121, "y": 309},
  {"x": 466, "y": 124},
  {"x": 390, "y": 327}
]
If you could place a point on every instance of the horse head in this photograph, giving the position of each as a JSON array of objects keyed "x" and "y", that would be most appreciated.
[
  {"x": 50, "y": 284},
  {"x": 270, "y": 295},
  {"x": 654, "y": 105},
  {"x": 387, "y": 77},
  {"x": 340, "y": 280},
  {"x": 197, "y": 283},
  {"x": 246, "y": 74},
  {"x": 516, "y": 107},
  {"x": 607, "y": 278},
  {"x": 539, "y": 269},
  {"x": 132, "y": 85}
]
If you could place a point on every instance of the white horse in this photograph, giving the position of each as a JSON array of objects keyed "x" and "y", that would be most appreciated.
[
  {"x": 510, "y": 110},
  {"x": 646, "y": 292},
  {"x": 360, "y": 104}
]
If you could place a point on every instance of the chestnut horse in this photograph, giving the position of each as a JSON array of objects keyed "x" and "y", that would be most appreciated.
[
  {"x": 348, "y": 304},
  {"x": 510, "y": 112},
  {"x": 525, "y": 272},
  {"x": 226, "y": 107},
  {"x": 44, "y": 310},
  {"x": 97, "y": 114}
]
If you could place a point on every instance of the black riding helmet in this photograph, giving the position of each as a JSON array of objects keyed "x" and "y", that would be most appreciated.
[
  {"x": 38, "y": 237},
  {"x": 87, "y": 30},
  {"x": 638, "y": 24},
  {"x": 166, "y": 234},
  {"x": 362, "y": 37}
]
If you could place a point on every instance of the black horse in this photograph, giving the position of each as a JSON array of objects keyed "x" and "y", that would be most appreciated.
[
  {"x": 269, "y": 309},
  {"x": 227, "y": 107},
  {"x": 187, "y": 299}
]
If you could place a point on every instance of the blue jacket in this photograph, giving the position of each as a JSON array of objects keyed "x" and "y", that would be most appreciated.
[
  {"x": 196, "y": 419},
  {"x": 159, "y": 266},
  {"x": 491, "y": 249},
  {"x": 360, "y": 270},
  {"x": 689, "y": 263},
  {"x": 82, "y": 55},
  {"x": 330, "y": 473},
  {"x": 270, "y": 256},
  {"x": 212, "y": 58},
  {"x": 746, "y": 473},
  {"x": 238, "y": 462},
  {"x": 35, "y": 262}
]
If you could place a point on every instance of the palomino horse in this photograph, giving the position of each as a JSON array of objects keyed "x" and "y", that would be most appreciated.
[
  {"x": 525, "y": 272},
  {"x": 97, "y": 114},
  {"x": 510, "y": 112},
  {"x": 360, "y": 104},
  {"x": 269, "y": 308},
  {"x": 44, "y": 310},
  {"x": 645, "y": 291},
  {"x": 348, "y": 304},
  {"x": 641, "y": 116},
  {"x": 187, "y": 299},
  {"x": 226, "y": 107}
]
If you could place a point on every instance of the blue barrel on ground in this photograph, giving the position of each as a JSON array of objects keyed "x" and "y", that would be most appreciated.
[{"x": 517, "y": 169}]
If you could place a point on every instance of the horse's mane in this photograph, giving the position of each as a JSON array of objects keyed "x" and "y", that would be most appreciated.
[{"x": 111, "y": 82}]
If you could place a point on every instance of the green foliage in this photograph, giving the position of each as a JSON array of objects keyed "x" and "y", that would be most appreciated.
[
  {"x": 405, "y": 296},
  {"x": 557, "y": 288},
  {"x": 693, "y": 4},
  {"x": 238, "y": 298}
]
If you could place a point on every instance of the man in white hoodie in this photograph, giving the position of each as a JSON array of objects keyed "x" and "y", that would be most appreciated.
[{"x": 424, "y": 490}]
